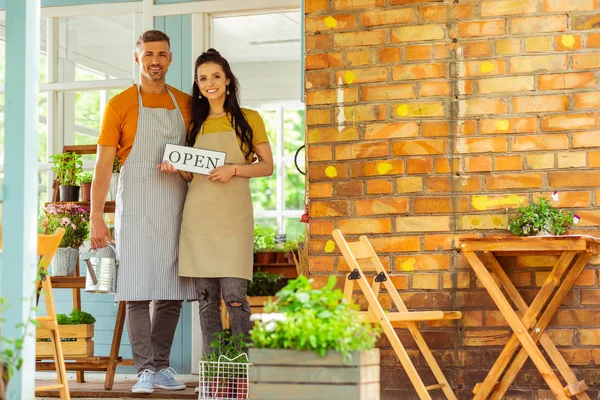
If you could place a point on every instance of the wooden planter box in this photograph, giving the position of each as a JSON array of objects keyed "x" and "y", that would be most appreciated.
[
  {"x": 76, "y": 341},
  {"x": 304, "y": 375}
]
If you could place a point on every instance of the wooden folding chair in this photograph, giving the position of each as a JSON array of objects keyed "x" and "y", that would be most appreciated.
[
  {"x": 47, "y": 245},
  {"x": 362, "y": 251}
]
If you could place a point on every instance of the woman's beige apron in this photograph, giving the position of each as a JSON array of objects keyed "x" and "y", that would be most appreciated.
[{"x": 217, "y": 229}]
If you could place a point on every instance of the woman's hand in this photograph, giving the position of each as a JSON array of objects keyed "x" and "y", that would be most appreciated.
[{"x": 222, "y": 174}]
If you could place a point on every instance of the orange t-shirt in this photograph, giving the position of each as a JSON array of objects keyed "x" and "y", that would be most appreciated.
[{"x": 119, "y": 123}]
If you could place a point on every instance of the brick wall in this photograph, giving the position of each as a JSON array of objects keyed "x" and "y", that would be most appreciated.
[{"x": 425, "y": 120}]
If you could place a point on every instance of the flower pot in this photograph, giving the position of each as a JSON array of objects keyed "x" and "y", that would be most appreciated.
[
  {"x": 241, "y": 388},
  {"x": 265, "y": 257},
  {"x": 114, "y": 185},
  {"x": 69, "y": 193},
  {"x": 281, "y": 257},
  {"x": 290, "y": 256},
  {"x": 64, "y": 261},
  {"x": 86, "y": 191}
]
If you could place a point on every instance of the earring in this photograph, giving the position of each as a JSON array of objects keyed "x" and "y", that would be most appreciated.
[
  {"x": 200, "y": 95},
  {"x": 227, "y": 92}
]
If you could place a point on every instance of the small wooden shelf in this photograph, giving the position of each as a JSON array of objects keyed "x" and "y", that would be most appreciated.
[
  {"x": 109, "y": 206},
  {"x": 68, "y": 282},
  {"x": 287, "y": 270}
]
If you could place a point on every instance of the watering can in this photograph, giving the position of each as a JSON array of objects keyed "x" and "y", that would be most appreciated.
[{"x": 101, "y": 270}]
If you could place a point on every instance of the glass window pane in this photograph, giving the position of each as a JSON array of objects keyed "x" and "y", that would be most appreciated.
[
  {"x": 293, "y": 132},
  {"x": 270, "y": 119},
  {"x": 294, "y": 188},
  {"x": 294, "y": 229},
  {"x": 264, "y": 196},
  {"x": 84, "y": 49}
]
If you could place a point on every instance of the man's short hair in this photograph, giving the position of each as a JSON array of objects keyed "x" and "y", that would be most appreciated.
[{"x": 152, "y": 36}]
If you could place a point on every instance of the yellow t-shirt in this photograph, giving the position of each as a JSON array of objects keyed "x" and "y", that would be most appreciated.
[
  {"x": 222, "y": 124},
  {"x": 119, "y": 123}
]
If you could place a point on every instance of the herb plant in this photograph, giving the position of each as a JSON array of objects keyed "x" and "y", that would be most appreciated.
[
  {"x": 86, "y": 178},
  {"x": 264, "y": 284},
  {"x": 534, "y": 219},
  {"x": 264, "y": 238},
  {"x": 67, "y": 166},
  {"x": 76, "y": 317},
  {"x": 304, "y": 318}
]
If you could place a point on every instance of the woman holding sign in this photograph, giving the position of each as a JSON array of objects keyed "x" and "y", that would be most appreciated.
[{"x": 217, "y": 230}]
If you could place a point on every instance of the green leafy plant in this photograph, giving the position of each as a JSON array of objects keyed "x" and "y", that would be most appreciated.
[
  {"x": 264, "y": 238},
  {"x": 76, "y": 317},
  {"x": 290, "y": 245},
  {"x": 225, "y": 344},
  {"x": 73, "y": 218},
  {"x": 540, "y": 218},
  {"x": 116, "y": 165},
  {"x": 264, "y": 284},
  {"x": 304, "y": 318},
  {"x": 67, "y": 166},
  {"x": 86, "y": 178}
]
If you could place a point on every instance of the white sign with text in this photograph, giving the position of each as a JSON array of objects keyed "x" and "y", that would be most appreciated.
[{"x": 191, "y": 159}]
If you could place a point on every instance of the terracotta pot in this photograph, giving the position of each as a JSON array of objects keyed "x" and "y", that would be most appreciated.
[
  {"x": 290, "y": 256},
  {"x": 241, "y": 388},
  {"x": 281, "y": 257},
  {"x": 265, "y": 257},
  {"x": 86, "y": 190}
]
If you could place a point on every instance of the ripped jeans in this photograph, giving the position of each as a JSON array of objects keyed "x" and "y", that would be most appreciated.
[{"x": 209, "y": 291}]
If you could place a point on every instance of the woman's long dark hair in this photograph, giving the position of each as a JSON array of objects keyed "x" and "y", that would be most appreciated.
[{"x": 201, "y": 107}]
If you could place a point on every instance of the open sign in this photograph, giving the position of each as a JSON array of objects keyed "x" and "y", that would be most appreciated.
[{"x": 191, "y": 159}]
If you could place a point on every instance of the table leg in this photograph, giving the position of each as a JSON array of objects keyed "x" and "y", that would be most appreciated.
[
  {"x": 544, "y": 321},
  {"x": 114, "y": 348},
  {"x": 521, "y": 332}
]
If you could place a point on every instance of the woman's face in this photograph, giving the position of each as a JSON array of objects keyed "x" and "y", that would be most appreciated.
[{"x": 212, "y": 81}]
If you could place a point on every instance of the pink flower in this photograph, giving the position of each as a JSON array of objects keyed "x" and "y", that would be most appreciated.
[
  {"x": 51, "y": 209},
  {"x": 65, "y": 221},
  {"x": 576, "y": 219},
  {"x": 73, "y": 226}
]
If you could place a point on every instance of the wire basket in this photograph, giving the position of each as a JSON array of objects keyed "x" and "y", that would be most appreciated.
[{"x": 224, "y": 380}]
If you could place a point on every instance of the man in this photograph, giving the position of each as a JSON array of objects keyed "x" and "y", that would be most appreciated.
[{"x": 137, "y": 125}]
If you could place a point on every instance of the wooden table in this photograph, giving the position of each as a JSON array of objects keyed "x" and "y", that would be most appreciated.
[{"x": 528, "y": 322}]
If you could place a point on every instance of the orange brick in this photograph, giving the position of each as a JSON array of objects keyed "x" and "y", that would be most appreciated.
[
  {"x": 321, "y": 97},
  {"x": 362, "y": 150},
  {"x": 538, "y": 44},
  {"x": 392, "y": 55},
  {"x": 477, "y": 49},
  {"x": 584, "y": 21},
  {"x": 327, "y": 171},
  {"x": 539, "y": 104},
  {"x": 589, "y": 337},
  {"x": 554, "y": 23},
  {"x": 318, "y": 79},
  {"x": 388, "y": 92},
  {"x": 566, "y": 199},
  {"x": 538, "y": 63},
  {"x": 419, "y": 165},
  {"x": 394, "y": 244},
  {"x": 567, "y": 122},
  {"x": 510, "y": 125},
  {"x": 379, "y": 186},
  {"x": 468, "y": 184},
  {"x": 485, "y": 68},
  {"x": 573, "y": 159},
  {"x": 481, "y": 222},
  {"x": 508, "y": 163},
  {"x": 442, "y": 165},
  {"x": 594, "y": 162},
  {"x": 356, "y": 4},
  {"x": 508, "y": 46},
  {"x": 539, "y": 161},
  {"x": 418, "y": 53},
  {"x": 586, "y": 139},
  {"x": 342, "y": 22},
  {"x": 319, "y": 153},
  {"x": 567, "y": 81},
  {"x": 409, "y": 185},
  {"x": 417, "y": 110},
  {"x": 539, "y": 142},
  {"x": 569, "y": 42},
  {"x": 423, "y": 224},
  {"x": 417, "y": 33},
  {"x": 514, "y": 181},
  {"x": 318, "y": 117},
  {"x": 498, "y": 202},
  {"x": 329, "y": 208},
  {"x": 586, "y": 61},
  {"x": 481, "y": 28},
  {"x": 311, "y": 6},
  {"x": 593, "y": 40},
  {"x": 568, "y": 5},
  {"x": 577, "y": 317},
  {"x": 384, "y": 205},
  {"x": 377, "y": 168},
  {"x": 505, "y": 84},
  {"x": 467, "y": 128},
  {"x": 320, "y": 190},
  {"x": 586, "y": 100},
  {"x": 478, "y": 164},
  {"x": 429, "y": 205},
  {"x": 433, "y": 13},
  {"x": 438, "y": 184},
  {"x": 358, "y": 58},
  {"x": 434, "y": 89},
  {"x": 386, "y": 17},
  {"x": 496, "y": 8},
  {"x": 364, "y": 226},
  {"x": 320, "y": 264},
  {"x": 361, "y": 38},
  {"x": 481, "y": 145},
  {"x": 417, "y": 147},
  {"x": 316, "y": 61},
  {"x": 373, "y": 112},
  {"x": 441, "y": 50},
  {"x": 391, "y": 130},
  {"x": 362, "y": 75},
  {"x": 419, "y": 71},
  {"x": 435, "y": 128},
  {"x": 317, "y": 42},
  {"x": 426, "y": 281},
  {"x": 403, "y": 2},
  {"x": 321, "y": 228},
  {"x": 326, "y": 134},
  {"x": 482, "y": 106},
  {"x": 350, "y": 189}
]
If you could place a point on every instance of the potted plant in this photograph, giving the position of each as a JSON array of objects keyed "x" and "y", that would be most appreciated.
[
  {"x": 290, "y": 247},
  {"x": 75, "y": 220},
  {"x": 68, "y": 166},
  {"x": 224, "y": 370},
  {"x": 85, "y": 180},
  {"x": 262, "y": 287},
  {"x": 264, "y": 244},
  {"x": 307, "y": 329},
  {"x": 76, "y": 336},
  {"x": 541, "y": 219},
  {"x": 114, "y": 180}
]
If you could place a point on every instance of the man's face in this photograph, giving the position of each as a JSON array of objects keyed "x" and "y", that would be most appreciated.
[{"x": 154, "y": 59}]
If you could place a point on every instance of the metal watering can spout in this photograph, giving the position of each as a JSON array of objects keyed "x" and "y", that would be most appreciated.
[
  {"x": 102, "y": 270},
  {"x": 85, "y": 256}
]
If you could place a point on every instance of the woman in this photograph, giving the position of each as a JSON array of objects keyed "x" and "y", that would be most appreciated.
[{"x": 217, "y": 230}]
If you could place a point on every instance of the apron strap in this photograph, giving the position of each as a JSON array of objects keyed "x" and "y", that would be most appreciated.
[{"x": 141, "y": 105}]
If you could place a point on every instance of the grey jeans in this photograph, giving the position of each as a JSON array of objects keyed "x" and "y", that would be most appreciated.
[
  {"x": 151, "y": 341},
  {"x": 209, "y": 292}
]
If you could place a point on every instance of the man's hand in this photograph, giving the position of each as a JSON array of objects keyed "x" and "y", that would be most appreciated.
[
  {"x": 166, "y": 166},
  {"x": 99, "y": 233}
]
